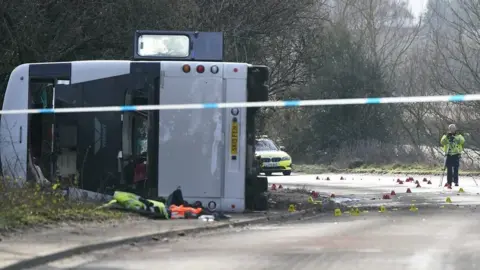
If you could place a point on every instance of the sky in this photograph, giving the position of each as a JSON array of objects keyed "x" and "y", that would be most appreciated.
[{"x": 417, "y": 6}]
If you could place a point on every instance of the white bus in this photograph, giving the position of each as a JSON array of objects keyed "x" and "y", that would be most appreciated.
[{"x": 209, "y": 153}]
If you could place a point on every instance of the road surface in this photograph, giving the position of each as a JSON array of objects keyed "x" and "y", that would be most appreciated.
[
  {"x": 447, "y": 239},
  {"x": 369, "y": 189}
]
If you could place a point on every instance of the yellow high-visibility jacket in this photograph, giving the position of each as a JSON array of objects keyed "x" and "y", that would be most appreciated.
[{"x": 455, "y": 147}]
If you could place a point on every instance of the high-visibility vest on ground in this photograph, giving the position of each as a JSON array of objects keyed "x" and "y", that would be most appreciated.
[
  {"x": 134, "y": 202},
  {"x": 183, "y": 211}
]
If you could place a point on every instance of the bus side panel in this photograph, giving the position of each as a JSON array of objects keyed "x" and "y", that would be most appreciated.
[
  {"x": 191, "y": 146},
  {"x": 14, "y": 127},
  {"x": 235, "y": 75}
]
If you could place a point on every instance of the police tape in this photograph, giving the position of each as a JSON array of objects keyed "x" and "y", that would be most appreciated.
[{"x": 261, "y": 104}]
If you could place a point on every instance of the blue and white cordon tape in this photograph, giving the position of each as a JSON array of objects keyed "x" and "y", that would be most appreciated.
[{"x": 288, "y": 103}]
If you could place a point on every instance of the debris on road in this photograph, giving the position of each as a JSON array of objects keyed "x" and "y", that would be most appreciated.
[
  {"x": 302, "y": 199},
  {"x": 174, "y": 208},
  {"x": 370, "y": 193}
]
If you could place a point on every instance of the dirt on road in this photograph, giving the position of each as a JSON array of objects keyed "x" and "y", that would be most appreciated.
[{"x": 282, "y": 199}]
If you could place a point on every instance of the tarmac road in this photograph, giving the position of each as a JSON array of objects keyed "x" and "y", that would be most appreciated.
[
  {"x": 369, "y": 189},
  {"x": 443, "y": 239}
]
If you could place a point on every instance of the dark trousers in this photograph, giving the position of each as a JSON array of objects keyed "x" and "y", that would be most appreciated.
[{"x": 452, "y": 163}]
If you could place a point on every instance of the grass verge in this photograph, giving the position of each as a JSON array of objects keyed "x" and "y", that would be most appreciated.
[
  {"x": 32, "y": 205},
  {"x": 412, "y": 169}
]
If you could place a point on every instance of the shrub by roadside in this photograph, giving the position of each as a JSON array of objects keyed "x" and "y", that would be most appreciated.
[{"x": 30, "y": 205}]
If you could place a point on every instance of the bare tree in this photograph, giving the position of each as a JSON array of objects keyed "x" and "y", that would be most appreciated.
[
  {"x": 386, "y": 27},
  {"x": 455, "y": 62}
]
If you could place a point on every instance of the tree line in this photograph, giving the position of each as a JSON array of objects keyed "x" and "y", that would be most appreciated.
[{"x": 316, "y": 49}]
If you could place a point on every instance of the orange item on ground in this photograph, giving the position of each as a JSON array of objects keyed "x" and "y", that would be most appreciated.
[{"x": 181, "y": 211}]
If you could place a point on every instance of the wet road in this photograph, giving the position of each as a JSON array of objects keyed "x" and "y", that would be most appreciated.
[{"x": 443, "y": 239}]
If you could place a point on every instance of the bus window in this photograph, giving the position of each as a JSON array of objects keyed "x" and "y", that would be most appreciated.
[
  {"x": 140, "y": 134},
  {"x": 40, "y": 140}
]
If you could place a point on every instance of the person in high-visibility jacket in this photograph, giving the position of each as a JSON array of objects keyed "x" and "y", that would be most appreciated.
[
  {"x": 134, "y": 202},
  {"x": 453, "y": 144}
]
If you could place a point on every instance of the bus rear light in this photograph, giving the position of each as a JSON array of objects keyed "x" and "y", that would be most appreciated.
[
  {"x": 186, "y": 68},
  {"x": 214, "y": 69},
  {"x": 200, "y": 69}
]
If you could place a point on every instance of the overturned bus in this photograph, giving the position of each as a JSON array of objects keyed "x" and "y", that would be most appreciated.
[{"x": 209, "y": 153}]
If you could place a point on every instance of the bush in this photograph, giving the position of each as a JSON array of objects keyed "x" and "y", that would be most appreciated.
[{"x": 26, "y": 204}]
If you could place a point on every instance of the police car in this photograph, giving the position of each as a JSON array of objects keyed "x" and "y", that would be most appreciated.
[{"x": 274, "y": 158}]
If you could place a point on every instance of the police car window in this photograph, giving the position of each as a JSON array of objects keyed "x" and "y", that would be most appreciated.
[{"x": 265, "y": 145}]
